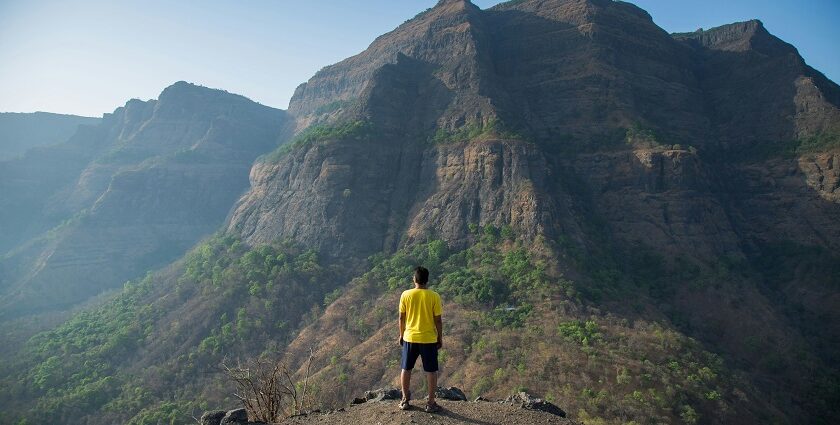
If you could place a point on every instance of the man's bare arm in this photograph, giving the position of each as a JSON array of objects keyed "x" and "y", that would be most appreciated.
[
  {"x": 439, "y": 326},
  {"x": 402, "y": 328}
]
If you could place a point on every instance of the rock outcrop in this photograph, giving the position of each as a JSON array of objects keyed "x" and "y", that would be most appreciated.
[
  {"x": 229, "y": 417},
  {"x": 451, "y": 393},
  {"x": 527, "y": 401}
]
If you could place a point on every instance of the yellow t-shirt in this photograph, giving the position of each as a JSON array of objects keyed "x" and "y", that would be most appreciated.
[{"x": 420, "y": 307}]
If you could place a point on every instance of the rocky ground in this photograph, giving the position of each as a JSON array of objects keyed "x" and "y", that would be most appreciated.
[
  {"x": 382, "y": 407},
  {"x": 452, "y": 412}
]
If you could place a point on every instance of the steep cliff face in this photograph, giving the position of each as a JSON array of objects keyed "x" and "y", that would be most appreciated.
[
  {"x": 162, "y": 174},
  {"x": 342, "y": 191},
  {"x": 665, "y": 199},
  {"x": 578, "y": 71},
  {"x": 604, "y": 78},
  {"x": 822, "y": 174},
  {"x": 489, "y": 182}
]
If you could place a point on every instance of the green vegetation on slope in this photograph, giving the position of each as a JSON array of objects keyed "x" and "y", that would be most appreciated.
[
  {"x": 334, "y": 106},
  {"x": 151, "y": 355},
  {"x": 321, "y": 133},
  {"x": 821, "y": 142},
  {"x": 643, "y": 137},
  {"x": 512, "y": 324},
  {"x": 484, "y": 276},
  {"x": 360, "y": 130},
  {"x": 492, "y": 128}
]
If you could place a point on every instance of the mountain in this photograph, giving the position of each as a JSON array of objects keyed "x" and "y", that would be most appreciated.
[
  {"x": 639, "y": 226},
  {"x": 126, "y": 196},
  {"x": 641, "y": 79},
  {"x": 20, "y": 132}
]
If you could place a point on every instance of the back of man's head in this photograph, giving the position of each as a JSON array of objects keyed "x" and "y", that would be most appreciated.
[{"x": 421, "y": 275}]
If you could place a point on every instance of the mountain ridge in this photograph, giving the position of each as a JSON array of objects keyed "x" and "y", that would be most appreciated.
[
  {"x": 184, "y": 138},
  {"x": 21, "y": 131}
]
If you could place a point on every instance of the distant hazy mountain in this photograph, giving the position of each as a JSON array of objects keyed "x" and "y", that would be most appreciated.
[
  {"x": 128, "y": 195},
  {"x": 22, "y": 131},
  {"x": 642, "y": 227}
]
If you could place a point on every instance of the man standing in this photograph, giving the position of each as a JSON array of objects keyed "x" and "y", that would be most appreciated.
[{"x": 421, "y": 334}]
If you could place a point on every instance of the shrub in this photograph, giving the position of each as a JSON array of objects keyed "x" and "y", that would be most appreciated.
[
  {"x": 509, "y": 317},
  {"x": 623, "y": 377},
  {"x": 482, "y": 386},
  {"x": 506, "y": 232},
  {"x": 689, "y": 415},
  {"x": 583, "y": 333},
  {"x": 267, "y": 390}
]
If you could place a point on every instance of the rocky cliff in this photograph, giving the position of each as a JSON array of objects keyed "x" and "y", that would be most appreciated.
[{"x": 625, "y": 85}]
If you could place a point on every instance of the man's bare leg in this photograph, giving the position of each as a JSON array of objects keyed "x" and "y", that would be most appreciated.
[
  {"x": 405, "y": 383},
  {"x": 431, "y": 377}
]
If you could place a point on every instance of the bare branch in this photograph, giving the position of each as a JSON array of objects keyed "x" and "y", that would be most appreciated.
[{"x": 268, "y": 391}]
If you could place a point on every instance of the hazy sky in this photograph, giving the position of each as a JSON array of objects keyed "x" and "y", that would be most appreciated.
[{"x": 88, "y": 57}]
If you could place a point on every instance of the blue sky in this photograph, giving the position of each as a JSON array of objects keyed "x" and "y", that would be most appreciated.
[{"x": 88, "y": 57}]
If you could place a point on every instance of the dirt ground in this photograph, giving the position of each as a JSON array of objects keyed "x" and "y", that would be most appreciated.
[{"x": 452, "y": 412}]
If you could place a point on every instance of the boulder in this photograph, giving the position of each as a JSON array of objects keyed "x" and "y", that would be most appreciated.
[
  {"x": 235, "y": 417},
  {"x": 527, "y": 401},
  {"x": 451, "y": 393},
  {"x": 213, "y": 417},
  {"x": 383, "y": 394},
  {"x": 359, "y": 400}
]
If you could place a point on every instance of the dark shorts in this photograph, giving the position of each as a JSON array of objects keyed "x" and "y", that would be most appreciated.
[{"x": 427, "y": 352}]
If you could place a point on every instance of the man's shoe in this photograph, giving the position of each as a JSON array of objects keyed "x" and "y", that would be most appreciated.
[
  {"x": 404, "y": 405},
  {"x": 432, "y": 407}
]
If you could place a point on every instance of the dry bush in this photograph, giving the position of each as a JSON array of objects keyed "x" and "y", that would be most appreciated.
[{"x": 268, "y": 391}]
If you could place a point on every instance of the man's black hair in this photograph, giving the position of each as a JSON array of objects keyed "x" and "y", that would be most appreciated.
[{"x": 421, "y": 275}]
